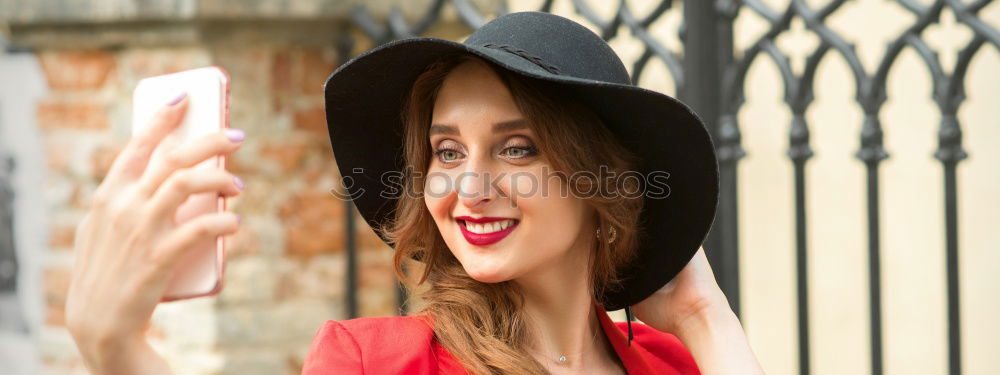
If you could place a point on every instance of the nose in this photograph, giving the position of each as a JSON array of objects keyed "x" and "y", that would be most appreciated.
[{"x": 475, "y": 189}]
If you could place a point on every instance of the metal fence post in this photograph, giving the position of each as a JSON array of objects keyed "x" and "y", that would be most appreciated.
[{"x": 708, "y": 48}]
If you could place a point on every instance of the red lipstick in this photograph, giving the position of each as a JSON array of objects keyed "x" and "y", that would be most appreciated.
[{"x": 483, "y": 239}]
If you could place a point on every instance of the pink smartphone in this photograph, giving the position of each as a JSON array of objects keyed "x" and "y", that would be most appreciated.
[{"x": 200, "y": 271}]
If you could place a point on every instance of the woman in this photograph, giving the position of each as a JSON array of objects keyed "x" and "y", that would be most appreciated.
[{"x": 522, "y": 252}]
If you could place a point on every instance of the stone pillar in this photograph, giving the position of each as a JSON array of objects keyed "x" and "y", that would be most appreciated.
[{"x": 285, "y": 272}]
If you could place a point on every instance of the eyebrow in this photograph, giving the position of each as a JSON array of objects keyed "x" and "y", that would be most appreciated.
[{"x": 500, "y": 127}]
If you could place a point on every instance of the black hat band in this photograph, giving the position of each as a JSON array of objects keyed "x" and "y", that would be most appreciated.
[{"x": 525, "y": 55}]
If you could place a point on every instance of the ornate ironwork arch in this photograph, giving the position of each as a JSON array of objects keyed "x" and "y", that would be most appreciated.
[{"x": 710, "y": 76}]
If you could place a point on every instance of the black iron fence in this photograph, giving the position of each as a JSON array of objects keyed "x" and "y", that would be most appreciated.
[{"x": 709, "y": 75}]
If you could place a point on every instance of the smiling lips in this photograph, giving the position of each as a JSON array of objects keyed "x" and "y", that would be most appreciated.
[{"x": 486, "y": 230}]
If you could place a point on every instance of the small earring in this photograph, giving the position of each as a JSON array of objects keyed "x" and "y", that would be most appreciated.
[{"x": 614, "y": 234}]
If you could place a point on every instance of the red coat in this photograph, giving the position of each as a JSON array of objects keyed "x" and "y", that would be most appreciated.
[{"x": 406, "y": 345}]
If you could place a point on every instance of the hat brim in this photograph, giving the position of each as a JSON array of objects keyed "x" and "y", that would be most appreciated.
[{"x": 364, "y": 99}]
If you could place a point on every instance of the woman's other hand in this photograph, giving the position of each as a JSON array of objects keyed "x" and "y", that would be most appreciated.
[
  {"x": 692, "y": 292},
  {"x": 128, "y": 242},
  {"x": 693, "y": 307}
]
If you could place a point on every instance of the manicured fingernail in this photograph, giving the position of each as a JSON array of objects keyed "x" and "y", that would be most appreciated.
[
  {"x": 235, "y": 135},
  {"x": 178, "y": 99},
  {"x": 239, "y": 183},
  {"x": 239, "y": 219}
]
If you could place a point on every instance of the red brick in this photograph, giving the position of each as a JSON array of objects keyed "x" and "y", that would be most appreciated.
[
  {"x": 314, "y": 224},
  {"x": 313, "y": 69},
  {"x": 79, "y": 199},
  {"x": 57, "y": 155},
  {"x": 61, "y": 236},
  {"x": 323, "y": 162},
  {"x": 72, "y": 114},
  {"x": 77, "y": 70},
  {"x": 324, "y": 168},
  {"x": 55, "y": 315},
  {"x": 377, "y": 275},
  {"x": 56, "y": 285},
  {"x": 312, "y": 175},
  {"x": 288, "y": 154},
  {"x": 102, "y": 158},
  {"x": 281, "y": 80},
  {"x": 307, "y": 240},
  {"x": 312, "y": 120}
]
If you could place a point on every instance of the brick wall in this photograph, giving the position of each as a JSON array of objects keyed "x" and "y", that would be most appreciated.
[{"x": 285, "y": 271}]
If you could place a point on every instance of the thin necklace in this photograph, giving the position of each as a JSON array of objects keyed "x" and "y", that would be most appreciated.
[{"x": 562, "y": 360}]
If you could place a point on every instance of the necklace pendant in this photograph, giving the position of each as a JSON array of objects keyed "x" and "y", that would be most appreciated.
[{"x": 562, "y": 359}]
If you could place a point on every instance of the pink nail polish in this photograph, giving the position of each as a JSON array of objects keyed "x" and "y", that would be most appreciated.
[
  {"x": 235, "y": 135},
  {"x": 178, "y": 99},
  {"x": 239, "y": 183}
]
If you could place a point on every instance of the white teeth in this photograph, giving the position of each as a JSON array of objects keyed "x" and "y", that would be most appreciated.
[{"x": 491, "y": 227}]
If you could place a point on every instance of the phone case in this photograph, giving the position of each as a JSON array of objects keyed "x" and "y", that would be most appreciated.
[{"x": 201, "y": 270}]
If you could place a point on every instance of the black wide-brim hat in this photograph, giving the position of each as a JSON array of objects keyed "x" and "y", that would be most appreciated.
[{"x": 365, "y": 96}]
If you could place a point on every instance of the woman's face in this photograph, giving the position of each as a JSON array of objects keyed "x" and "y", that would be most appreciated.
[{"x": 485, "y": 167}]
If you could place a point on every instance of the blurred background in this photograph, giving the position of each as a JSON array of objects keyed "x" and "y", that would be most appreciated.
[{"x": 859, "y": 144}]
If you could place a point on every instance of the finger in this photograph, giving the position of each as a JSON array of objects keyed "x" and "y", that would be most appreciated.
[
  {"x": 181, "y": 184},
  {"x": 163, "y": 165},
  {"x": 133, "y": 159},
  {"x": 201, "y": 228}
]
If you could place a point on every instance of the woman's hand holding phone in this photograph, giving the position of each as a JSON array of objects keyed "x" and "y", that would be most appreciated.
[{"x": 128, "y": 243}]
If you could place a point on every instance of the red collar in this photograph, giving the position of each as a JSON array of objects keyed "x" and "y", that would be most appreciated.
[{"x": 632, "y": 356}]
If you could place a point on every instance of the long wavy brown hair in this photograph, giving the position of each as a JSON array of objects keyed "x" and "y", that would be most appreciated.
[{"x": 481, "y": 324}]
